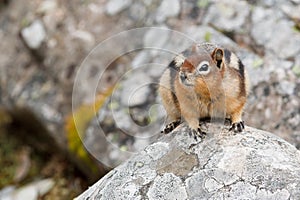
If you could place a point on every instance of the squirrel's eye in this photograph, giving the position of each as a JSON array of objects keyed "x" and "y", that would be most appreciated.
[{"x": 203, "y": 67}]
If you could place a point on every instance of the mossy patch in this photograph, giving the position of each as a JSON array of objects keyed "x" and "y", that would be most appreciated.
[
  {"x": 296, "y": 70},
  {"x": 76, "y": 125}
]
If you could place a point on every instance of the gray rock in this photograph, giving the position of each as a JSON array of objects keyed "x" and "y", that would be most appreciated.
[
  {"x": 122, "y": 118},
  {"x": 7, "y": 192},
  {"x": 261, "y": 75},
  {"x": 286, "y": 87},
  {"x": 270, "y": 68},
  {"x": 156, "y": 37},
  {"x": 173, "y": 188},
  {"x": 228, "y": 15},
  {"x": 31, "y": 191},
  {"x": 207, "y": 34},
  {"x": 270, "y": 3},
  {"x": 34, "y": 35},
  {"x": 249, "y": 165},
  {"x": 47, "y": 6},
  {"x": 281, "y": 43},
  {"x": 262, "y": 20},
  {"x": 114, "y": 7},
  {"x": 167, "y": 8},
  {"x": 296, "y": 1},
  {"x": 278, "y": 42},
  {"x": 135, "y": 91},
  {"x": 137, "y": 11},
  {"x": 85, "y": 36},
  {"x": 141, "y": 59},
  {"x": 293, "y": 11}
]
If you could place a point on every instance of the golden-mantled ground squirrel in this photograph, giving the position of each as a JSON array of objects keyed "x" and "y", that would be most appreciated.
[{"x": 205, "y": 81}]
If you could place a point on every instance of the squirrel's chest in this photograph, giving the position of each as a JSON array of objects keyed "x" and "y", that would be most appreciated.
[{"x": 204, "y": 106}]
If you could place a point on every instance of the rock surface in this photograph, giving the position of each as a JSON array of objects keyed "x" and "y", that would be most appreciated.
[{"x": 249, "y": 165}]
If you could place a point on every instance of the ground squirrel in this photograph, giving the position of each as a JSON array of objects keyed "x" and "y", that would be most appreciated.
[{"x": 204, "y": 81}]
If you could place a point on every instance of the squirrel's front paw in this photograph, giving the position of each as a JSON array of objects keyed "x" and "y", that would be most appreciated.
[
  {"x": 171, "y": 126},
  {"x": 237, "y": 127},
  {"x": 197, "y": 133}
]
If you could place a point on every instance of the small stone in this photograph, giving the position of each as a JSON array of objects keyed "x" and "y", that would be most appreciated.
[
  {"x": 281, "y": 42},
  {"x": 291, "y": 10},
  {"x": 85, "y": 36},
  {"x": 26, "y": 192},
  {"x": 122, "y": 120},
  {"x": 140, "y": 59},
  {"x": 229, "y": 15},
  {"x": 47, "y": 6},
  {"x": 137, "y": 11},
  {"x": 136, "y": 90},
  {"x": 268, "y": 113},
  {"x": 6, "y": 192},
  {"x": 262, "y": 20},
  {"x": 286, "y": 87},
  {"x": 278, "y": 42},
  {"x": 156, "y": 37},
  {"x": 33, "y": 190},
  {"x": 34, "y": 35},
  {"x": 44, "y": 186},
  {"x": 259, "y": 34},
  {"x": 114, "y": 7},
  {"x": 167, "y": 8}
]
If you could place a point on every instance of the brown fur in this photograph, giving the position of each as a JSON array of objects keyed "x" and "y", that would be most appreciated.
[{"x": 220, "y": 93}]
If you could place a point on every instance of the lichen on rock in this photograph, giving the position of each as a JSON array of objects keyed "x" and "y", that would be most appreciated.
[{"x": 251, "y": 165}]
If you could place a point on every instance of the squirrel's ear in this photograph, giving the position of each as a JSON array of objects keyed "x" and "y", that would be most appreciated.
[
  {"x": 217, "y": 56},
  {"x": 195, "y": 48}
]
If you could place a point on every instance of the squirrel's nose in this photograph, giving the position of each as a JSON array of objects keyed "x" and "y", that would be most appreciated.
[{"x": 187, "y": 66}]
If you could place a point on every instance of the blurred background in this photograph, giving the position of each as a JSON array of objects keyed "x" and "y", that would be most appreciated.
[{"x": 50, "y": 149}]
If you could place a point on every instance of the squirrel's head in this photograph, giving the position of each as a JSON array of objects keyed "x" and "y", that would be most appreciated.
[
  {"x": 201, "y": 65},
  {"x": 201, "y": 70}
]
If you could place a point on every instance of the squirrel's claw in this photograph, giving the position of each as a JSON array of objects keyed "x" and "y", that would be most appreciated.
[
  {"x": 197, "y": 134},
  {"x": 237, "y": 127},
  {"x": 171, "y": 126}
]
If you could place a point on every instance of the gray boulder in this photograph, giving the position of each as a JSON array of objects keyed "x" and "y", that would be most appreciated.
[{"x": 251, "y": 165}]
